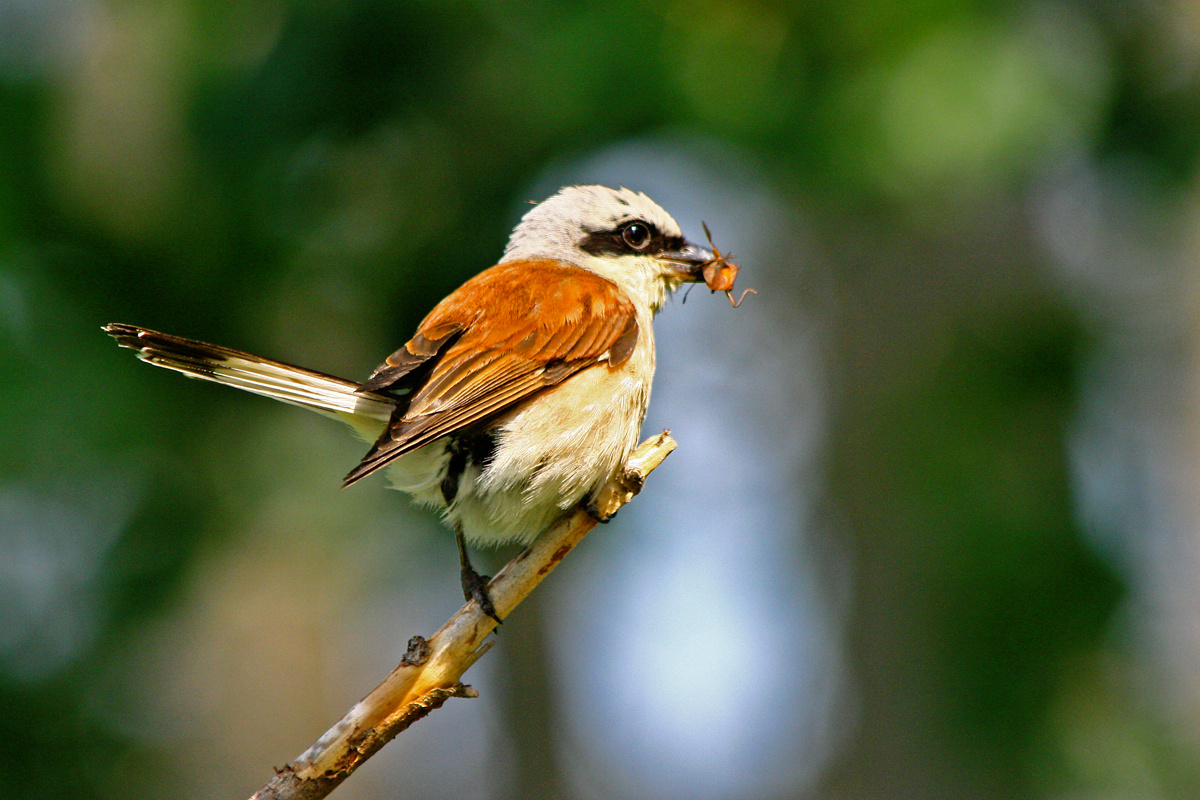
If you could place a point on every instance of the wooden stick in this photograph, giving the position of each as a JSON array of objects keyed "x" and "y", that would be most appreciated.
[{"x": 429, "y": 673}]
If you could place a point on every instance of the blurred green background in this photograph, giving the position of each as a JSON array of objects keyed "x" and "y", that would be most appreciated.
[{"x": 933, "y": 530}]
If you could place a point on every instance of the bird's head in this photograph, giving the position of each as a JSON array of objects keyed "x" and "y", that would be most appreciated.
[{"x": 619, "y": 234}]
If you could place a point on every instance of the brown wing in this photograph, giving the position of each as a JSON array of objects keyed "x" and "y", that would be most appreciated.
[{"x": 506, "y": 334}]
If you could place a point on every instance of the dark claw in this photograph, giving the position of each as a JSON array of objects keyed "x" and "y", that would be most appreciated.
[
  {"x": 474, "y": 587},
  {"x": 594, "y": 513}
]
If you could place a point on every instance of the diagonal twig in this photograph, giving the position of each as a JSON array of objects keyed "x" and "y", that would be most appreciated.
[{"x": 429, "y": 673}]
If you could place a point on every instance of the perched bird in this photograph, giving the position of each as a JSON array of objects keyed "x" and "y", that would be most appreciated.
[{"x": 522, "y": 392}]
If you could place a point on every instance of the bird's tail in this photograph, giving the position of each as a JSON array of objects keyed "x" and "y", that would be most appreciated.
[{"x": 326, "y": 394}]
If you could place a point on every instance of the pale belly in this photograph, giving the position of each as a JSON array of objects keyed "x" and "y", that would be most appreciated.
[{"x": 547, "y": 456}]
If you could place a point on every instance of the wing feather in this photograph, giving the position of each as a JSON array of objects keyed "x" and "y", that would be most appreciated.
[
  {"x": 419, "y": 432},
  {"x": 505, "y": 335}
]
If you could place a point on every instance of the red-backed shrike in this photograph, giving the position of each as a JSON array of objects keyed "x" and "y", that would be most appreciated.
[{"x": 522, "y": 392}]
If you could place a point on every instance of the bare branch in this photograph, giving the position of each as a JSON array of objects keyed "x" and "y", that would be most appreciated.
[{"x": 429, "y": 673}]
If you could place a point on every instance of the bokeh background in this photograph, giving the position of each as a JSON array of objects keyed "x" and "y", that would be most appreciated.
[{"x": 933, "y": 529}]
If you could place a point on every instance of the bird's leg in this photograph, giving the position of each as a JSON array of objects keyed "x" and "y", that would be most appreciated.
[{"x": 474, "y": 585}]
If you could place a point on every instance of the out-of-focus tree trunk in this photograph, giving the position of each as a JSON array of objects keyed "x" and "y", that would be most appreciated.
[
  {"x": 530, "y": 704},
  {"x": 954, "y": 383}
]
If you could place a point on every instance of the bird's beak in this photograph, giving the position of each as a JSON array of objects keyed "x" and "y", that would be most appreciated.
[{"x": 688, "y": 261}]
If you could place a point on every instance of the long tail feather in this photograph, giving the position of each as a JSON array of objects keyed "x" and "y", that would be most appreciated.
[{"x": 302, "y": 387}]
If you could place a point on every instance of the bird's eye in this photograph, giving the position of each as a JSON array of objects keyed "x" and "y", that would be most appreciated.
[{"x": 636, "y": 235}]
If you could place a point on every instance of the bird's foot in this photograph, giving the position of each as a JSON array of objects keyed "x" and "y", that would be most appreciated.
[
  {"x": 474, "y": 587},
  {"x": 593, "y": 510}
]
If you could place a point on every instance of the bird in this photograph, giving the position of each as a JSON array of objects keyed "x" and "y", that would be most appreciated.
[{"x": 521, "y": 393}]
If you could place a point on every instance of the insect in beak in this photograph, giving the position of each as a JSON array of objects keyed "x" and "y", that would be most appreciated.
[{"x": 720, "y": 273}]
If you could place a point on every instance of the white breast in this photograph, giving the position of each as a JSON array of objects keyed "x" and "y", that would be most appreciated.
[{"x": 552, "y": 452}]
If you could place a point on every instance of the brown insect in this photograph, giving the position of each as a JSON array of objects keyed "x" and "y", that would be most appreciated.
[{"x": 720, "y": 272}]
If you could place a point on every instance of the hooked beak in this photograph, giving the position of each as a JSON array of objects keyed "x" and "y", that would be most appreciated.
[{"x": 688, "y": 261}]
